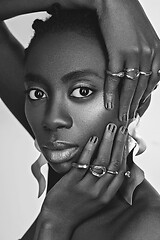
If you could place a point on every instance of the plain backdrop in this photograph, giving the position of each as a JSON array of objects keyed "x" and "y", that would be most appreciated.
[{"x": 19, "y": 204}]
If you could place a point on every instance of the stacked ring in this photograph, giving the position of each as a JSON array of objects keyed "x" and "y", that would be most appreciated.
[
  {"x": 119, "y": 74},
  {"x": 146, "y": 74},
  {"x": 80, "y": 166},
  {"x": 132, "y": 73},
  {"x": 93, "y": 169}
]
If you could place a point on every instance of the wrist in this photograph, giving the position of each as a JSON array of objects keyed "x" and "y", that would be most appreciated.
[{"x": 56, "y": 224}]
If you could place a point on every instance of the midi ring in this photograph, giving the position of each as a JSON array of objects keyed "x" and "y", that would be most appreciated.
[
  {"x": 80, "y": 166},
  {"x": 132, "y": 73},
  {"x": 146, "y": 74},
  {"x": 119, "y": 74},
  {"x": 127, "y": 174},
  {"x": 112, "y": 172},
  {"x": 93, "y": 169}
]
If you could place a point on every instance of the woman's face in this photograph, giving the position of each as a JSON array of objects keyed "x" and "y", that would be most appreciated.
[{"x": 65, "y": 74}]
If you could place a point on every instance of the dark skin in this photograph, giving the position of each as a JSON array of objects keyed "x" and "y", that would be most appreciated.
[
  {"x": 52, "y": 122},
  {"x": 14, "y": 64}
]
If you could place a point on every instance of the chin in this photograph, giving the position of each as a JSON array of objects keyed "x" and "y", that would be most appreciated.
[{"x": 61, "y": 168}]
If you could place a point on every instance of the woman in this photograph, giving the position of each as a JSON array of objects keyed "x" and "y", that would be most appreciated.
[
  {"x": 85, "y": 144},
  {"x": 118, "y": 174}
]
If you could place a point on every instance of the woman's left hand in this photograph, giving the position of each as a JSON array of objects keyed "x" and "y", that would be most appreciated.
[{"x": 134, "y": 49}]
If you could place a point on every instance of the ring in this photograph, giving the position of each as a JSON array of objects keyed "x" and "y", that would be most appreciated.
[
  {"x": 112, "y": 172},
  {"x": 146, "y": 74},
  {"x": 80, "y": 166},
  {"x": 132, "y": 73},
  {"x": 127, "y": 174},
  {"x": 93, "y": 169},
  {"x": 119, "y": 74},
  {"x": 158, "y": 72}
]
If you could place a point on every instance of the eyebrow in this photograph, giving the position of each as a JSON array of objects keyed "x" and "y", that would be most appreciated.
[
  {"x": 66, "y": 78},
  {"x": 80, "y": 74}
]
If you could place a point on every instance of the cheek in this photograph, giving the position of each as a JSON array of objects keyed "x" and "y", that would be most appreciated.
[
  {"x": 92, "y": 118},
  {"x": 33, "y": 117}
]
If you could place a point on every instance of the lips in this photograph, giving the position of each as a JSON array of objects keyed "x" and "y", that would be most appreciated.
[{"x": 59, "y": 152}]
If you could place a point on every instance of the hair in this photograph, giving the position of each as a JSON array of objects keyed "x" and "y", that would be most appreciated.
[{"x": 82, "y": 21}]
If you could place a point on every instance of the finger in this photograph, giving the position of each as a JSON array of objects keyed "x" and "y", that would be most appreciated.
[
  {"x": 112, "y": 189},
  {"x": 112, "y": 82},
  {"x": 104, "y": 152},
  {"x": 129, "y": 86},
  {"x": 116, "y": 159},
  {"x": 145, "y": 74},
  {"x": 85, "y": 158},
  {"x": 45, "y": 233},
  {"x": 154, "y": 79}
]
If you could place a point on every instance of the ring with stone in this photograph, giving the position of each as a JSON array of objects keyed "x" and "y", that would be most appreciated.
[
  {"x": 97, "y": 170},
  {"x": 132, "y": 73},
  {"x": 127, "y": 174}
]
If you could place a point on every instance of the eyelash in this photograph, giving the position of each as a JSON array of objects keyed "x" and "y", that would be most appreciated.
[
  {"x": 80, "y": 88},
  {"x": 33, "y": 91}
]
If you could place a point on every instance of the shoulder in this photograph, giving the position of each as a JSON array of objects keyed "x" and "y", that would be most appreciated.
[{"x": 145, "y": 218}]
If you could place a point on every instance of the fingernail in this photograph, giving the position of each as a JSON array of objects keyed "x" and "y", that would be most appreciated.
[
  {"x": 109, "y": 105},
  {"x": 145, "y": 99},
  {"x": 111, "y": 127},
  {"x": 132, "y": 115},
  {"x": 125, "y": 117},
  {"x": 93, "y": 139},
  {"x": 123, "y": 129}
]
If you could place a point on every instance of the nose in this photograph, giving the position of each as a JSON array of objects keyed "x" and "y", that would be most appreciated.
[{"x": 57, "y": 117}]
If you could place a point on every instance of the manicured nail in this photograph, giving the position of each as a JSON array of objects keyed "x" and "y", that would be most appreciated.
[
  {"x": 93, "y": 139},
  {"x": 123, "y": 129},
  {"x": 111, "y": 127},
  {"x": 145, "y": 99},
  {"x": 109, "y": 105},
  {"x": 132, "y": 115},
  {"x": 125, "y": 117}
]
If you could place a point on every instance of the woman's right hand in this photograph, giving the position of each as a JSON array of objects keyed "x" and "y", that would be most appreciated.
[{"x": 79, "y": 194}]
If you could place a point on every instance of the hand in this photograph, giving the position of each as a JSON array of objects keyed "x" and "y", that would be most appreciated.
[
  {"x": 131, "y": 43},
  {"x": 79, "y": 194}
]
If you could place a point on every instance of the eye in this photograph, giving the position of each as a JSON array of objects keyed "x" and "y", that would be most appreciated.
[
  {"x": 81, "y": 92},
  {"x": 36, "y": 94}
]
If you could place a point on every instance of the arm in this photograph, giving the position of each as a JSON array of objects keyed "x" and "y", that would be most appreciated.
[{"x": 140, "y": 51}]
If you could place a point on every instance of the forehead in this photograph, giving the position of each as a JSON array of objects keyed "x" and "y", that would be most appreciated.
[{"x": 57, "y": 54}]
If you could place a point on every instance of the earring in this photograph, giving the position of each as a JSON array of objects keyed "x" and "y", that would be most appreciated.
[{"x": 36, "y": 170}]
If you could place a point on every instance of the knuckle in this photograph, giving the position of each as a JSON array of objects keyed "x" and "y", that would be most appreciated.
[
  {"x": 46, "y": 224},
  {"x": 135, "y": 50},
  {"x": 157, "y": 44},
  {"x": 94, "y": 194},
  {"x": 147, "y": 51},
  {"x": 116, "y": 164}
]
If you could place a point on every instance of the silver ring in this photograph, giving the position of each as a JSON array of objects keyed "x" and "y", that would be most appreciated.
[
  {"x": 119, "y": 74},
  {"x": 132, "y": 73},
  {"x": 146, "y": 74},
  {"x": 112, "y": 172},
  {"x": 93, "y": 169},
  {"x": 158, "y": 72},
  {"x": 127, "y": 174},
  {"x": 80, "y": 166}
]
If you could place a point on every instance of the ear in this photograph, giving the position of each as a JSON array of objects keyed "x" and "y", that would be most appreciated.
[{"x": 143, "y": 106}]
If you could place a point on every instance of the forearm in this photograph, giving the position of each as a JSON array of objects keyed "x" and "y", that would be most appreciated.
[{"x": 12, "y": 8}]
